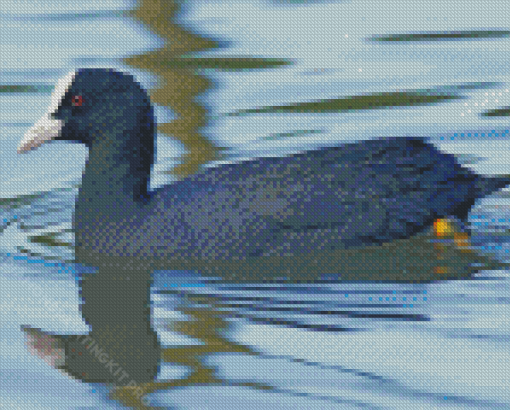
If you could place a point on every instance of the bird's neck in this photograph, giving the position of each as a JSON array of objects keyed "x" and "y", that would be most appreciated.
[
  {"x": 113, "y": 197},
  {"x": 114, "y": 174}
]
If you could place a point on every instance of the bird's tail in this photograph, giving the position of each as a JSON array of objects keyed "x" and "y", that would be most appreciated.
[{"x": 488, "y": 185}]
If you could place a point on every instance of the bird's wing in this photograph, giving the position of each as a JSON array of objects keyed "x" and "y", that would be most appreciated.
[{"x": 355, "y": 194}]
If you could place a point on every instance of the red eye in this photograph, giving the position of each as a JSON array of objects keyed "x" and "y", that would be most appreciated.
[{"x": 77, "y": 101}]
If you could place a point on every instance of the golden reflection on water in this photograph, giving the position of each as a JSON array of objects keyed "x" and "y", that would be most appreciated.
[{"x": 179, "y": 85}]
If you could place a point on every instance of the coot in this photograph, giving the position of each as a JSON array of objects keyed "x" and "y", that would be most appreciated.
[{"x": 296, "y": 208}]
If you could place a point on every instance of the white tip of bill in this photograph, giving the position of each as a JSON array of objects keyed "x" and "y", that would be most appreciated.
[{"x": 46, "y": 129}]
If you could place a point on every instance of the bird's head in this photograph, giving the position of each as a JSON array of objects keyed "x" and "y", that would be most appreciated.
[{"x": 89, "y": 106}]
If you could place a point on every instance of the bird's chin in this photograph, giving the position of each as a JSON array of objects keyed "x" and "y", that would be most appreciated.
[{"x": 45, "y": 130}]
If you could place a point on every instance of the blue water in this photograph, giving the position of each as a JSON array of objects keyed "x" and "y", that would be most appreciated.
[{"x": 330, "y": 345}]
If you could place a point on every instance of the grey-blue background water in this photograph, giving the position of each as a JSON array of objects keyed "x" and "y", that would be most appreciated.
[{"x": 328, "y": 344}]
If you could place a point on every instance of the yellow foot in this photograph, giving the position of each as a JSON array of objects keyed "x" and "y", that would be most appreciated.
[{"x": 447, "y": 228}]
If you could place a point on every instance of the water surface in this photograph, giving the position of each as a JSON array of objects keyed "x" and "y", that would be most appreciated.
[{"x": 234, "y": 81}]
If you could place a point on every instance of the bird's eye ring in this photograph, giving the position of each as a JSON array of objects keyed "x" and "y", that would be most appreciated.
[{"x": 77, "y": 101}]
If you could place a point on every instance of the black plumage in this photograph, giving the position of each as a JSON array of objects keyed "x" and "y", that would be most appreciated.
[{"x": 353, "y": 195}]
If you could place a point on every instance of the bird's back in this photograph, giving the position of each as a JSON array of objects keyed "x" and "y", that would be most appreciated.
[{"x": 331, "y": 198}]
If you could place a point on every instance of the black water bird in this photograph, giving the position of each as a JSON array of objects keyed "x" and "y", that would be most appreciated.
[{"x": 291, "y": 206}]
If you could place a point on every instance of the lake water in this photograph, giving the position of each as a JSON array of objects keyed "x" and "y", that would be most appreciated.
[{"x": 252, "y": 66}]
